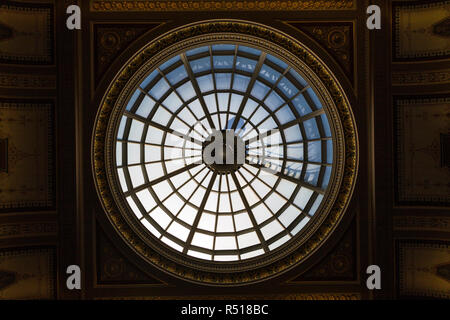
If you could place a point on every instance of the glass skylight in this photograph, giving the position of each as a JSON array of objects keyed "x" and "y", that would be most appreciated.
[{"x": 237, "y": 212}]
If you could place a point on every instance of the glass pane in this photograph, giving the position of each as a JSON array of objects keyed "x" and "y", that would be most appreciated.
[
  {"x": 247, "y": 240},
  {"x": 172, "y": 244},
  {"x": 223, "y": 62},
  {"x": 271, "y": 229},
  {"x": 123, "y": 122},
  {"x": 172, "y": 102},
  {"x": 159, "y": 89},
  {"x": 269, "y": 74},
  {"x": 301, "y": 105},
  {"x": 326, "y": 125},
  {"x": 298, "y": 77},
  {"x": 169, "y": 62},
  {"x": 119, "y": 154},
  {"x": 205, "y": 83},
  {"x": 177, "y": 75},
  {"x": 273, "y": 101},
  {"x": 302, "y": 198},
  {"x": 207, "y": 222},
  {"x": 146, "y": 199},
  {"x": 174, "y": 204},
  {"x": 314, "y": 98},
  {"x": 315, "y": 151},
  {"x": 316, "y": 204},
  {"x": 134, "y": 153},
  {"x": 187, "y": 214},
  {"x": 151, "y": 228},
  {"x": 293, "y": 134},
  {"x": 133, "y": 99},
  {"x": 326, "y": 177},
  {"x": 146, "y": 107},
  {"x": 197, "y": 51},
  {"x": 223, "y": 47},
  {"x": 186, "y": 91},
  {"x": 287, "y": 88},
  {"x": 289, "y": 215},
  {"x": 136, "y": 130},
  {"x": 225, "y": 224},
  {"x": 154, "y": 135},
  {"x": 285, "y": 115},
  {"x": 162, "y": 116},
  {"x": 261, "y": 213},
  {"x": 277, "y": 61},
  {"x": 252, "y": 254},
  {"x": 259, "y": 90},
  {"x": 179, "y": 231},
  {"x": 122, "y": 180},
  {"x": 286, "y": 188},
  {"x": 199, "y": 255},
  {"x": 236, "y": 101},
  {"x": 245, "y": 64},
  {"x": 203, "y": 240},
  {"x": 279, "y": 242},
  {"x": 162, "y": 189},
  {"x": 275, "y": 202},
  {"x": 312, "y": 132},
  {"x": 250, "y": 50},
  {"x": 242, "y": 221},
  {"x": 312, "y": 174},
  {"x": 240, "y": 82},
  {"x": 300, "y": 225},
  {"x": 134, "y": 208},
  {"x": 200, "y": 65},
  {"x": 225, "y": 243},
  {"x": 149, "y": 79},
  {"x": 223, "y": 81},
  {"x": 137, "y": 178}
]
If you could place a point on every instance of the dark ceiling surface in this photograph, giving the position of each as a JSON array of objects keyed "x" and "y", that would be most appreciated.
[{"x": 397, "y": 80}]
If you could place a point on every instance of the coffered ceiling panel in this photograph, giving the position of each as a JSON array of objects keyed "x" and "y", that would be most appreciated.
[
  {"x": 421, "y": 30},
  {"x": 26, "y": 33}
]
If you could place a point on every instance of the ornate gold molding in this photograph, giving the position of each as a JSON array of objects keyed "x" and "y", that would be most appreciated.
[
  {"x": 25, "y": 81},
  {"x": 179, "y": 39},
  {"x": 29, "y": 229},
  {"x": 440, "y": 224},
  {"x": 237, "y": 5}
]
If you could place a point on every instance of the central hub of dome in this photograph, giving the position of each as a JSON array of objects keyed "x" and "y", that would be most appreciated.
[{"x": 224, "y": 151}]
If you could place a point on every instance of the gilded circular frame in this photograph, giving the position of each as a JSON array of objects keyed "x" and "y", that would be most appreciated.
[{"x": 338, "y": 111}]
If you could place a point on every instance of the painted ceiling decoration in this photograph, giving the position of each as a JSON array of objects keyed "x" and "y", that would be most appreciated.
[
  {"x": 442, "y": 28},
  {"x": 248, "y": 222},
  {"x": 421, "y": 124},
  {"x": 26, "y": 33},
  {"x": 335, "y": 37},
  {"x": 112, "y": 39},
  {"x": 421, "y": 30}
]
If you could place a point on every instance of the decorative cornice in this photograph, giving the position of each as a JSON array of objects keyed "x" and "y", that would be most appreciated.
[
  {"x": 421, "y": 78},
  {"x": 28, "y": 229},
  {"x": 27, "y": 81},
  {"x": 237, "y": 5},
  {"x": 440, "y": 224},
  {"x": 340, "y": 116}
]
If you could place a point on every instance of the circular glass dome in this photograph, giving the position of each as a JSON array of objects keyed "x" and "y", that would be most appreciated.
[{"x": 224, "y": 152}]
